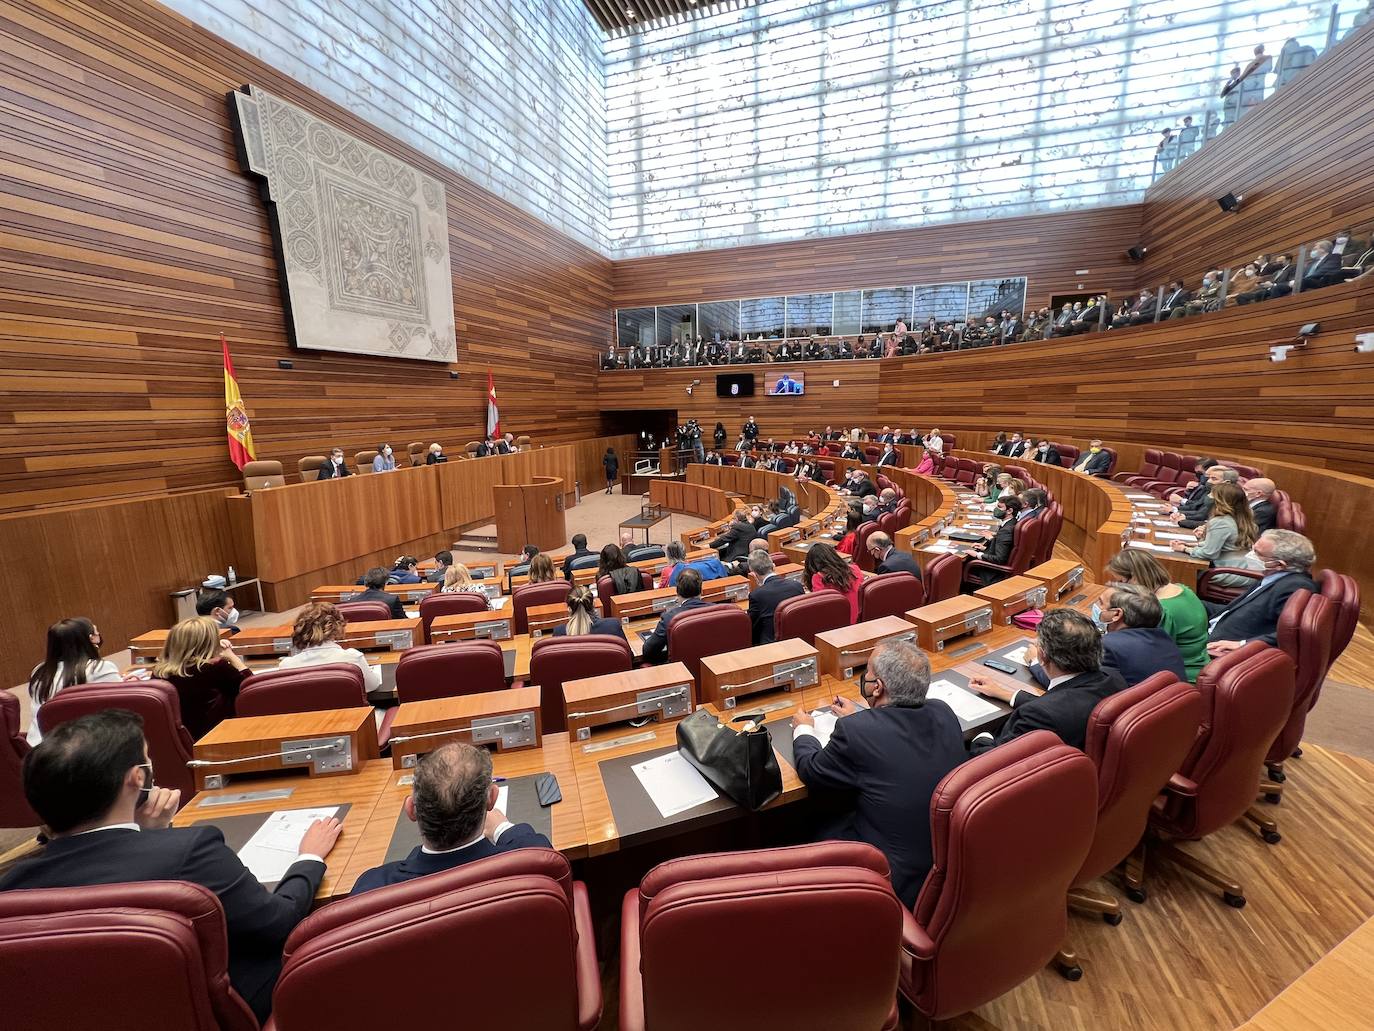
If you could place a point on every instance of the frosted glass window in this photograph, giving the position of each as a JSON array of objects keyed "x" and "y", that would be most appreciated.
[
  {"x": 764, "y": 315},
  {"x": 847, "y": 308},
  {"x": 946, "y": 302},
  {"x": 808, "y": 314},
  {"x": 991, "y": 296},
  {"x": 677, "y": 324},
  {"x": 719, "y": 318},
  {"x": 882, "y": 308},
  {"x": 634, "y": 327}
]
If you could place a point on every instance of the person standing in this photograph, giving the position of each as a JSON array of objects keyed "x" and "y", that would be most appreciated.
[{"x": 611, "y": 462}]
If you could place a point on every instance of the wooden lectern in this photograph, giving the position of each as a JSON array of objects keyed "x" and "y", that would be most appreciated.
[{"x": 529, "y": 513}]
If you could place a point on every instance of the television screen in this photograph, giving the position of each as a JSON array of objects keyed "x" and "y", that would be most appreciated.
[
  {"x": 784, "y": 383},
  {"x": 735, "y": 384}
]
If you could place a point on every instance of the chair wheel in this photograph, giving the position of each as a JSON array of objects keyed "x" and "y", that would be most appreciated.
[
  {"x": 1277, "y": 776},
  {"x": 1271, "y": 837},
  {"x": 1112, "y": 918},
  {"x": 1297, "y": 753},
  {"x": 1273, "y": 799},
  {"x": 1234, "y": 901},
  {"x": 1136, "y": 895},
  {"x": 1073, "y": 973}
]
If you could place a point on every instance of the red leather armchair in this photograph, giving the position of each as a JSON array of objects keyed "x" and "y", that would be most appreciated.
[
  {"x": 1209, "y": 590},
  {"x": 1068, "y": 454},
  {"x": 363, "y": 611},
  {"x": 75, "y": 957},
  {"x": 1344, "y": 593},
  {"x": 889, "y": 594},
  {"x": 1149, "y": 470},
  {"x": 1247, "y": 695},
  {"x": 14, "y": 809},
  {"x": 1049, "y": 533},
  {"x": 1009, "y": 831},
  {"x": 807, "y": 615},
  {"x": 556, "y": 660},
  {"x": 527, "y": 595},
  {"x": 793, "y": 906},
  {"x": 169, "y": 742},
  {"x": 436, "y": 605},
  {"x": 523, "y": 920},
  {"x": 942, "y": 577},
  {"x": 862, "y": 559},
  {"x": 449, "y": 670},
  {"x": 331, "y": 685},
  {"x": 1137, "y": 739},
  {"x": 1025, "y": 545},
  {"x": 1288, "y": 515},
  {"x": 1306, "y": 629},
  {"x": 709, "y": 630}
]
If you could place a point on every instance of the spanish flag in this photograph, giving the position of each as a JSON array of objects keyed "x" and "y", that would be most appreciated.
[
  {"x": 235, "y": 414},
  {"x": 493, "y": 414}
]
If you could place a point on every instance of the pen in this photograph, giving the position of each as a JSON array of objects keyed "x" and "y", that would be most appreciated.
[{"x": 498, "y": 780}]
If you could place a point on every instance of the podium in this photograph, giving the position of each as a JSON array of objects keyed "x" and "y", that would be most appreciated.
[{"x": 529, "y": 513}]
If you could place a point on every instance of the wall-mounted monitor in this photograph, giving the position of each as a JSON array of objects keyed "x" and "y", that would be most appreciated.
[
  {"x": 735, "y": 384},
  {"x": 784, "y": 384}
]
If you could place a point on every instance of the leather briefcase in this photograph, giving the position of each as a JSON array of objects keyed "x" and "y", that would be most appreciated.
[{"x": 740, "y": 764}]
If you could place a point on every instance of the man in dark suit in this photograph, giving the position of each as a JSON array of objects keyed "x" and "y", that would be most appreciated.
[
  {"x": 746, "y": 460},
  {"x": 374, "y": 580},
  {"x": 750, "y": 430},
  {"x": 1135, "y": 645},
  {"x": 1046, "y": 452},
  {"x": 1175, "y": 296},
  {"x": 442, "y": 560},
  {"x": 999, "y": 548},
  {"x": 886, "y": 557},
  {"x": 1070, "y": 652},
  {"x": 334, "y": 468},
  {"x": 1016, "y": 447},
  {"x": 1197, "y": 509},
  {"x": 1260, "y": 493},
  {"x": 734, "y": 542},
  {"x": 689, "y": 590},
  {"x": 889, "y": 456},
  {"x": 768, "y": 591},
  {"x": 1094, "y": 461},
  {"x": 580, "y": 550},
  {"x": 862, "y": 486},
  {"x": 886, "y": 759},
  {"x": 92, "y": 784},
  {"x": 1286, "y": 558},
  {"x": 454, "y": 802}
]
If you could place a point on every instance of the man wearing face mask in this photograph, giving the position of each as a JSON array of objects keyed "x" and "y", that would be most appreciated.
[
  {"x": 333, "y": 467},
  {"x": 1286, "y": 559},
  {"x": 1133, "y": 642},
  {"x": 997, "y": 550},
  {"x": 1095, "y": 462},
  {"x": 92, "y": 784},
  {"x": 219, "y": 606},
  {"x": 385, "y": 461},
  {"x": 884, "y": 758}
]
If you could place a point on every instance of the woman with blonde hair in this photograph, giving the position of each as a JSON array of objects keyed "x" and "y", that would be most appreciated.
[
  {"x": 582, "y": 617},
  {"x": 205, "y": 671},
  {"x": 457, "y": 580},
  {"x": 1185, "y": 617},
  {"x": 1227, "y": 536},
  {"x": 315, "y": 641},
  {"x": 541, "y": 569}
]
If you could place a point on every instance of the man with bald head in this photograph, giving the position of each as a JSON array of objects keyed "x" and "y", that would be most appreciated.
[
  {"x": 888, "y": 559},
  {"x": 1260, "y": 493}
]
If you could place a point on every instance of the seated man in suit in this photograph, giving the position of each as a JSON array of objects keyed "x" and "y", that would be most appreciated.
[
  {"x": 219, "y": 606},
  {"x": 733, "y": 543},
  {"x": 453, "y": 799},
  {"x": 1197, "y": 509},
  {"x": 1135, "y": 645},
  {"x": 374, "y": 582},
  {"x": 768, "y": 591},
  {"x": 886, "y": 758},
  {"x": 580, "y": 550},
  {"x": 888, "y": 500},
  {"x": 889, "y": 456},
  {"x": 1046, "y": 452},
  {"x": 1260, "y": 493},
  {"x": 442, "y": 560},
  {"x": 1286, "y": 558},
  {"x": 506, "y": 445},
  {"x": 888, "y": 559},
  {"x": 486, "y": 447},
  {"x": 1094, "y": 461},
  {"x": 91, "y": 783},
  {"x": 689, "y": 590},
  {"x": 522, "y": 565},
  {"x": 1070, "y": 653},
  {"x": 333, "y": 467},
  {"x": 861, "y": 486}
]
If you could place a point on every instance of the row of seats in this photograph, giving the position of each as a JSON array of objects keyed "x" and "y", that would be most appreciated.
[
  {"x": 270, "y": 471},
  {"x": 1164, "y": 472}
]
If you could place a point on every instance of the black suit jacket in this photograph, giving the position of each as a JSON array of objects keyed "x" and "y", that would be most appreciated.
[
  {"x": 257, "y": 920},
  {"x": 1093, "y": 464},
  {"x": 1136, "y": 654},
  {"x": 419, "y": 863},
  {"x": 483, "y": 451},
  {"x": 656, "y": 644},
  {"x": 898, "y": 561},
  {"x": 390, "y": 600},
  {"x": 1254, "y": 616},
  {"x": 863, "y": 489},
  {"x": 998, "y": 550},
  {"x": 764, "y": 600},
  {"x": 1065, "y": 710},
  {"x": 734, "y": 542},
  {"x": 567, "y": 562},
  {"x": 1050, "y": 457},
  {"x": 890, "y": 458},
  {"x": 329, "y": 472},
  {"x": 887, "y": 761},
  {"x": 1015, "y": 448},
  {"x": 1266, "y": 516}
]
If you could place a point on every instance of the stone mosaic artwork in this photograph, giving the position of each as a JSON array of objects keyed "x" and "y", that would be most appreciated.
[{"x": 364, "y": 237}]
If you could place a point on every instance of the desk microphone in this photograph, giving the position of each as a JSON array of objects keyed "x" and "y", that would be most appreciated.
[
  {"x": 627, "y": 705},
  {"x": 299, "y": 754},
  {"x": 521, "y": 721}
]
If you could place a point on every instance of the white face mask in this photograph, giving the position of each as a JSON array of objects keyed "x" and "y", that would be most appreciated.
[
  {"x": 338, "y": 460},
  {"x": 231, "y": 618}
]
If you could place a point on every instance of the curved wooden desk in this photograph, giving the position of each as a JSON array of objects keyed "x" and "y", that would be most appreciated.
[{"x": 529, "y": 513}]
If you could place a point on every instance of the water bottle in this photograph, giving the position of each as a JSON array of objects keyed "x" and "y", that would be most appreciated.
[{"x": 232, "y": 578}]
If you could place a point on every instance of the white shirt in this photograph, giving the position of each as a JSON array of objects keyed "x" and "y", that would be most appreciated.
[
  {"x": 495, "y": 837},
  {"x": 332, "y": 651},
  {"x": 936, "y": 443},
  {"x": 98, "y": 671}
]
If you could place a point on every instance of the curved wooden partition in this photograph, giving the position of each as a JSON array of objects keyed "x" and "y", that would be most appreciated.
[{"x": 698, "y": 499}]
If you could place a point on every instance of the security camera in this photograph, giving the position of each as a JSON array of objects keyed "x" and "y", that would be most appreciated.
[
  {"x": 1364, "y": 343},
  {"x": 1280, "y": 353}
]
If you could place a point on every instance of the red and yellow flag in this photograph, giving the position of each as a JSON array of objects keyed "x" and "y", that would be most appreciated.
[
  {"x": 235, "y": 415},
  {"x": 493, "y": 414}
]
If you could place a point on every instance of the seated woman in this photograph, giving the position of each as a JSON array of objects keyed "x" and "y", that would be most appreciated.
[
  {"x": 825, "y": 570},
  {"x": 625, "y": 578},
  {"x": 205, "y": 671},
  {"x": 853, "y": 519},
  {"x": 436, "y": 455},
  {"x": 457, "y": 580},
  {"x": 1227, "y": 536},
  {"x": 541, "y": 569},
  {"x": 926, "y": 466},
  {"x": 677, "y": 556},
  {"x": 1185, "y": 617},
  {"x": 315, "y": 641},
  {"x": 582, "y": 617},
  {"x": 998, "y": 549},
  {"x": 988, "y": 483},
  {"x": 73, "y": 657}
]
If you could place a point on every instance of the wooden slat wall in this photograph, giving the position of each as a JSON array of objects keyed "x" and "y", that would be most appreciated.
[
  {"x": 129, "y": 240},
  {"x": 1304, "y": 161},
  {"x": 1047, "y": 249}
]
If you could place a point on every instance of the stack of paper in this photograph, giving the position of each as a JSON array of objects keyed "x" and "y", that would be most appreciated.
[
  {"x": 275, "y": 846},
  {"x": 673, "y": 783},
  {"x": 966, "y": 705},
  {"x": 1159, "y": 536},
  {"x": 1020, "y": 655},
  {"x": 825, "y": 725},
  {"x": 1148, "y": 547}
]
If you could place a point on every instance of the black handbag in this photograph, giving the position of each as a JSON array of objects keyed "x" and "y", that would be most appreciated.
[{"x": 739, "y": 764}]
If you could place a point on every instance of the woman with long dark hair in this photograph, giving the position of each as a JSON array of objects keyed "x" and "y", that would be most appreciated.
[
  {"x": 719, "y": 436},
  {"x": 73, "y": 657},
  {"x": 825, "y": 570},
  {"x": 625, "y": 578}
]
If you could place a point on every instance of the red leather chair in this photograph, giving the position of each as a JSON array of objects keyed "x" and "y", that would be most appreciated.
[
  {"x": 984, "y": 922},
  {"x": 890, "y": 522},
  {"x": 1024, "y": 549},
  {"x": 333, "y": 685},
  {"x": 1137, "y": 739},
  {"x": 1247, "y": 696},
  {"x": 807, "y": 615},
  {"x": 862, "y": 558},
  {"x": 951, "y": 440},
  {"x": 1049, "y": 533},
  {"x": 449, "y": 670},
  {"x": 779, "y": 557},
  {"x": 556, "y": 660},
  {"x": 889, "y": 594},
  {"x": 436, "y": 605},
  {"x": 948, "y": 467},
  {"x": 526, "y": 595},
  {"x": 111, "y": 942},
  {"x": 522, "y": 912},
  {"x": 1344, "y": 593},
  {"x": 169, "y": 742},
  {"x": 797, "y": 903},
  {"x": 1306, "y": 629},
  {"x": 14, "y": 808},
  {"x": 1209, "y": 590},
  {"x": 967, "y": 473},
  {"x": 1149, "y": 470},
  {"x": 942, "y": 577},
  {"x": 363, "y": 611},
  {"x": 1288, "y": 515},
  {"x": 709, "y": 630},
  {"x": 1110, "y": 452},
  {"x": 605, "y": 588}
]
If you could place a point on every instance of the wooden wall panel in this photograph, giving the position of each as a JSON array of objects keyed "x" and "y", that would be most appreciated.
[
  {"x": 129, "y": 240},
  {"x": 1048, "y": 249},
  {"x": 1304, "y": 161}
]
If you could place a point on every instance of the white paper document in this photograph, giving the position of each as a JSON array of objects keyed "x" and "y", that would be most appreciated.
[
  {"x": 1020, "y": 655},
  {"x": 1142, "y": 497},
  {"x": 966, "y": 705},
  {"x": 1164, "y": 523},
  {"x": 825, "y": 725},
  {"x": 1174, "y": 536},
  {"x": 1149, "y": 547},
  {"x": 673, "y": 783},
  {"x": 275, "y": 845}
]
